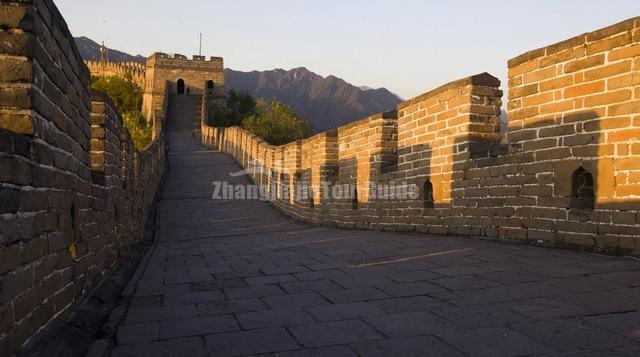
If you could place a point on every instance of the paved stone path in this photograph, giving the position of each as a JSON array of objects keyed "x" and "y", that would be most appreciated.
[{"x": 235, "y": 278}]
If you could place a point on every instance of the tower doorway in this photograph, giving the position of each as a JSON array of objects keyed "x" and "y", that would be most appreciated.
[{"x": 180, "y": 86}]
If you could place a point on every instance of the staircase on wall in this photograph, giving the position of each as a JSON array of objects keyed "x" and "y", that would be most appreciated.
[
  {"x": 184, "y": 112},
  {"x": 183, "y": 123}
]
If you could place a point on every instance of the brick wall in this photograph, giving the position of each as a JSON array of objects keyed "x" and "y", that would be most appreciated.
[
  {"x": 577, "y": 104},
  {"x": 74, "y": 194},
  {"x": 574, "y": 131},
  {"x": 118, "y": 69}
]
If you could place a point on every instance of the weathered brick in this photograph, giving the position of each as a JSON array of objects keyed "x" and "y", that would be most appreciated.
[
  {"x": 563, "y": 55},
  {"x": 522, "y": 68},
  {"x": 612, "y": 30},
  {"x": 540, "y": 144},
  {"x": 15, "y": 171},
  {"x": 591, "y": 151},
  {"x": 15, "y": 43},
  {"x": 553, "y": 154},
  {"x": 9, "y": 200},
  {"x": 584, "y": 89},
  {"x": 557, "y": 131},
  {"x": 624, "y": 217},
  {"x": 627, "y": 163},
  {"x": 537, "y": 190},
  {"x": 608, "y": 71},
  {"x": 523, "y": 114},
  {"x": 539, "y": 75},
  {"x": 9, "y": 258},
  {"x": 609, "y": 44},
  {"x": 584, "y": 63},
  {"x": 6, "y": 317},
  {"x": 625, "y": 108},
  {"x": 623, "y": 135},
  {"x": 14, "y": 16},
  {"x": 33, "y": 250},
  {"x": 537, "y": 99},
  {"x": 607, "y": 98},
  {"x": 27, "y": 302},
  {"x": 577, "y": 227},
  {"x": 607, "y": 124},
  {"x": 523, "y": 91},
  {"x": 17, "y": 123},
  {"x": 557, "y": 107},
  {"x": 582, "y": 139},
  {"x": 625, "y": 80},
  {"x": 556, "y": 83},
  {"x": 15, "y": 69},
  {"x": 16, "y": 282},
  {"x": 622, "y": 53}
]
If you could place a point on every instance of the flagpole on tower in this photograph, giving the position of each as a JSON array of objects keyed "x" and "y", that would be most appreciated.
[{"x": 200, "y": 48}]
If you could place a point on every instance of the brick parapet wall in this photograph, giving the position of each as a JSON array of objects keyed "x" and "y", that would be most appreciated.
[
  {"x": 61, "y": 230},
  {"x": 571, "y": 105},
  {"x": 578, "y": 101},
  {"x": 118, "y": 69},
  {"x": 107, "y": 130},
  {"x": 576, "y": 104},
  {"x": 158, "y": 111}
]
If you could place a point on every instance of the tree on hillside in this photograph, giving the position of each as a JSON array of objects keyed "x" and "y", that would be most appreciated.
[
  {"x": 240, "y": 105},
  {"x": 127, "y": 97},
  {"x": 276, "y": 122}
]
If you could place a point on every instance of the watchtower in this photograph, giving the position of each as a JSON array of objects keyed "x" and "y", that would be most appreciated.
[{"x": 184, "y": 76}]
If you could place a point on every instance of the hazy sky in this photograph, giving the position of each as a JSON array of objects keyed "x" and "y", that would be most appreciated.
[{"x": 407, "y": 46}]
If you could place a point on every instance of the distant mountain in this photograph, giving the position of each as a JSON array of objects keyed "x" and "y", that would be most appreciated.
[
  {"x": 325, "y": 102},
  {"x": 90, "y": 50}
]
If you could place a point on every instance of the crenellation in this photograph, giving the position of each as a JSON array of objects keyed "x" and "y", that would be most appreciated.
[
  {"x": 119, "y": 69},
  {"x": 572, "y": 106}
]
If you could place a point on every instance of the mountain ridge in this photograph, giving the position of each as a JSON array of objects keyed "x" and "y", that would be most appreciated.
[
  {"x": 90, "y": 50},
  {"x": 325, "y": 102}
]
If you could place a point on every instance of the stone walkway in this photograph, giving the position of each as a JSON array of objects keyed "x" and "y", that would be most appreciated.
[{"x": 235, "y": 278}]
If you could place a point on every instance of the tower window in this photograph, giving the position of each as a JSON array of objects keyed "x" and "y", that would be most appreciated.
[
  {"x": 282, "y": 186},
  {"x": 73, "y": 237},
  {"x": 180, "y": 86},
  {"x": 116, "y": 233},
  {"x": 354, "y": 200},
  {"x": 210, "y": 84},
  {"x": 427, "y": 194},
  {"x": 582, "y": 190}
]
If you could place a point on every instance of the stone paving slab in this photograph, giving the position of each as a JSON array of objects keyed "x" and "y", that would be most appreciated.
[{"x": 237, "y": 278}]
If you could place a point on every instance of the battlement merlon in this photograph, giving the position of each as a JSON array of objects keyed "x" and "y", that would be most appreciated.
[{"x": 162, "y": 59}]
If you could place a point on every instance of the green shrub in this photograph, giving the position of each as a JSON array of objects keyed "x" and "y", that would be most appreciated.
[
  {"x": 138, "y": 128},
  {"x": 239, "y": 106},
  {"x": 127, "y": 97},
  {"x": 276, "y": 123}
]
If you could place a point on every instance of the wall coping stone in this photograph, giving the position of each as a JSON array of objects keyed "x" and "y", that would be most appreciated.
[
  {"x": 483, "y": 79},
  {"x": 575, "y": 41}
]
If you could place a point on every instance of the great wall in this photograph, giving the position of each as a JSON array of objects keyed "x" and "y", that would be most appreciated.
[
  {"x": 573, "y": 110},
  {"x": 75, "y": 194}
]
